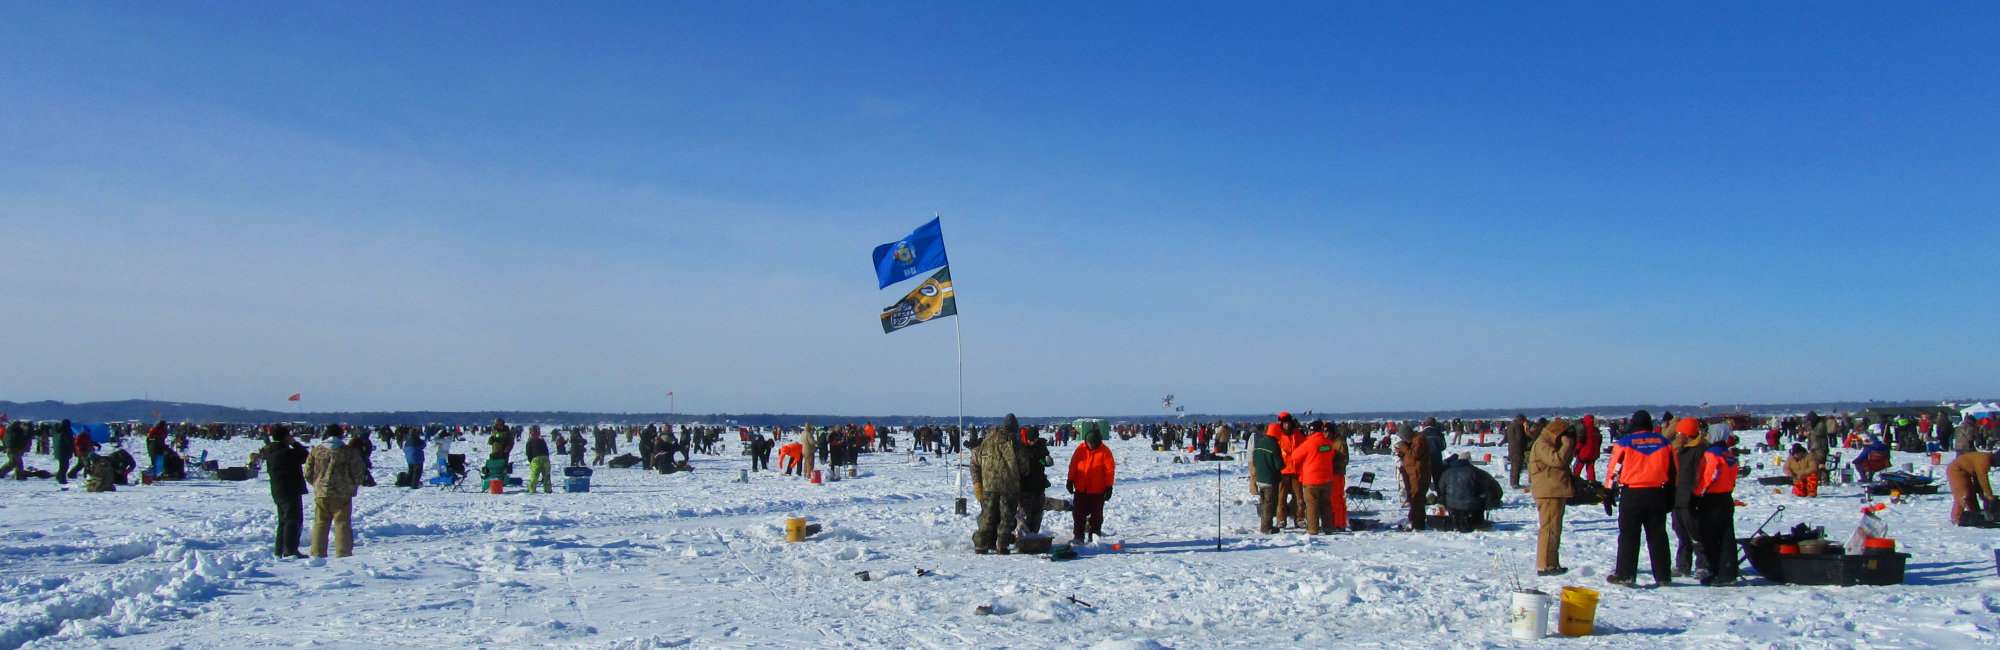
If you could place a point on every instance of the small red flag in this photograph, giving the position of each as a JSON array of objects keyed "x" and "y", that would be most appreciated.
[{"x": 293, "y": 398}]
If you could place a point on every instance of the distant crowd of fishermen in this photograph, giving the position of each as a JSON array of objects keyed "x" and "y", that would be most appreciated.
[{"x": 1676, "y": 476}]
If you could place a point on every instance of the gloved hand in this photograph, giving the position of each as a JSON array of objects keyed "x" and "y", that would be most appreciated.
[
  {"x": 1070, "y": 486},
  {"x": 1107, "y": 493}
]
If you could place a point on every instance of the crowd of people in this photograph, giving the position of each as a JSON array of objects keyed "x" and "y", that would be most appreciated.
[{"x": 1667, "y": 476}]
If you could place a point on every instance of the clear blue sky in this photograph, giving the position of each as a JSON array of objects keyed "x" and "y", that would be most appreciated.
[{"x": 1315, "y": 206}]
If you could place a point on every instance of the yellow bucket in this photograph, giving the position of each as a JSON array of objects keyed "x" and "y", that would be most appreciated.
[
  {"x": 1578, "y": 615},
  {"x": 795, "y": 529}
]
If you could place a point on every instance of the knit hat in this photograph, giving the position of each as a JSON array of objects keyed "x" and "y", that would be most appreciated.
[
  {"x": 1687, "y": 427},
  {"x": 1641, "y": 421}
]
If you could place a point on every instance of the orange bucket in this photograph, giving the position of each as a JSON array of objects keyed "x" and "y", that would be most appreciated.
[{"x": 496, "y": 486}]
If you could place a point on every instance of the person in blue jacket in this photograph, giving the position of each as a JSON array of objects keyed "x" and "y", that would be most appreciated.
[
  {"x": 1874, "y": 458},
  {"x": 413, "y": 455}
]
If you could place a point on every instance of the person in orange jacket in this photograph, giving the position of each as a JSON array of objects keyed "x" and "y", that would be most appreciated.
[
  {"x": 1314, "y": 459},
  {"x": 1092, "y": 470},
  {"x": 1642, "y": 465},
  {"x": 1291, "y": 501},
  {"x": 1715, "y": 506},
  {"x": 791, "y": 458}
]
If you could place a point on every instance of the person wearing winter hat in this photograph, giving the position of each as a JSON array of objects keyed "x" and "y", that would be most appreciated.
[
  {"x": 1267, "y": 476},
  {"x": 1415, "y": 455},
  {"x": 285, "y": 461},
  {"x": 1092, "y": 472},
  {"x": 1035, "y": 461},
  {"x": 996, "y": 482},
  {"x": 1641, "y": 468},
  {"x": 1804, "y": 470},
  {"x": 1316, "y": 458},
  {"x": 1291, "y": 497},
  {"x": 1690, "y": 442},
  {"x": 336, "y": 472},
  {"x": 1549, "y": 480},
  {"x": 1715, "y": 508}
]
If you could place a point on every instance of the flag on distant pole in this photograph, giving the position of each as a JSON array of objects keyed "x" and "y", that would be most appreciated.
[
  {"x": 922, "y": 250},
  {"x": 929, "y": 301},
  {"x": 293, "y": 398}
]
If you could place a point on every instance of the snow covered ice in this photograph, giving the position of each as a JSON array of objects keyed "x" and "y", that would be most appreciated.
[{"x": 697, "y": 560}]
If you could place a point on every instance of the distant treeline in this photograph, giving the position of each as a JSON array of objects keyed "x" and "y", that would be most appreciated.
[{"x": 145, "y": 410}]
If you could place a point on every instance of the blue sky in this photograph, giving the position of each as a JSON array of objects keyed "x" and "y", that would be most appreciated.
[{"x": 1311, "y": 206}]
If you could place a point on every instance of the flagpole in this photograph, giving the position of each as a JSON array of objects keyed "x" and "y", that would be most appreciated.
[{"x": 958, "y": 345}]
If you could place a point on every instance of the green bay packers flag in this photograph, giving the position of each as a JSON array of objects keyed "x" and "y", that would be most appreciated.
[{"x": 930, "y": 301}]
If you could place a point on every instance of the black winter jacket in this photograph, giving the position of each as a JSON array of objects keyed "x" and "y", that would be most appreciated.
[
  {"x": 1465, "y": 487},
  {"x": 286, "y": 462}
]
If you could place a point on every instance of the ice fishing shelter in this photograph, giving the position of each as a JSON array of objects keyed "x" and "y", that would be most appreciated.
[
  {"x": 1980, "y": 410},
  {"x": 100, "y": 433}
]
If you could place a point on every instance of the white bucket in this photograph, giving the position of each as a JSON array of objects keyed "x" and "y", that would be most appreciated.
[{"x": 1528, "y": 616}]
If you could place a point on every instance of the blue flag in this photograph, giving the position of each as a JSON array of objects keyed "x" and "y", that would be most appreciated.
[{"x": 901, "y": 260}]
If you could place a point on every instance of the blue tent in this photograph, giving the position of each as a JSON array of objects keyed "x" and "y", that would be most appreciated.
[{"x": 100, "y": 433}]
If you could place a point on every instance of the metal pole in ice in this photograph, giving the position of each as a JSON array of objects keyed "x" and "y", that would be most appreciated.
[{"x": 958, "y": 343}]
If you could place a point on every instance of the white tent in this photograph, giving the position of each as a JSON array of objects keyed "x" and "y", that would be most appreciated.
[{"x": 1980, "y": 409}]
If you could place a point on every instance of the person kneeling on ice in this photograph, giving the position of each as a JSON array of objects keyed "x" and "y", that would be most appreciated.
[
  {"x": 1467, "y": 492},
  {"x": 1972, "y": 501},
  {"x": 1804, "y": 470},
  {"x": 336, "y": 473},
  {"x": 996, "y": 482},
  {"x": 1092, "y": 471}
]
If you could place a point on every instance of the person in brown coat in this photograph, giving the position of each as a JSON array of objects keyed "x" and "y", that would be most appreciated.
[
  {"x": 1971, "y": 486},
  {"x": 1804, "y": 470},
  {"x": 1549, "y": 481},
  {"x": 336, "y": 471},
  {"x": 1518, "y": 442},
  {"x": 1416, "y": 468}
]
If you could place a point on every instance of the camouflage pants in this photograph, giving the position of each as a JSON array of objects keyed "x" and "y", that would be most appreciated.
[{"x": 996, "y": 519}]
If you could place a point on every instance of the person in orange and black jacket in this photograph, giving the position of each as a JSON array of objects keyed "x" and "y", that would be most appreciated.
[
  {"x": 1642, "y": 465},
  {"x": 1715, "y": 506},
  {"x": 1291, "y": 499},
  {"x": 1313, "y": 458}
]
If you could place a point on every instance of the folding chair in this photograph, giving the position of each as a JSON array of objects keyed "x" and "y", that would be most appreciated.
[{"x": 451, "y": 472}]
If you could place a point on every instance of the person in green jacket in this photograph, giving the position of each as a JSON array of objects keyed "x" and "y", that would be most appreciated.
[
  {"x": 501, "y": 445},
  {"x": 1267, "y": 466}
]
